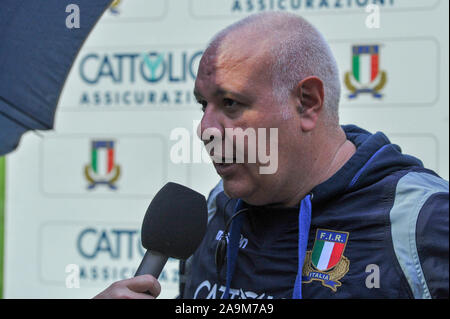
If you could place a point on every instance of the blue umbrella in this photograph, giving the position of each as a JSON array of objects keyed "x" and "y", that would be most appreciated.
[{"x": 39, "y": 40}]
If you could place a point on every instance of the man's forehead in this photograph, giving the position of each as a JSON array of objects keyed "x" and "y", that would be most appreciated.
[
  {"x": 238, "y": 47},
  {"x": 234, "y": 60},
  {"x": 231, "y": 75},
  {"x": 233, "y": 63}
]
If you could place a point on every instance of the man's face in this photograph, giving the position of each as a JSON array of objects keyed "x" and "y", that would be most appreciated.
[{"x": 234, "y": 87}]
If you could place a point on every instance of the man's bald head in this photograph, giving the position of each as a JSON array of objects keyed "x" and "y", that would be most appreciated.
[{"x": 297, "y": 50}]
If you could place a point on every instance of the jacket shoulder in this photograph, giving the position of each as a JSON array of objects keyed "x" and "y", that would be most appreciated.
[{"x": 420, "y": 198}]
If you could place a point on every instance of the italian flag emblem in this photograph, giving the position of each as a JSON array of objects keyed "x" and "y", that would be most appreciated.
[
  {"x": 365, "y": 76},
  {"x": 328, "y": 249},
  {"x": 326, "y": 262},
  {"x": 103, "y": 169}
]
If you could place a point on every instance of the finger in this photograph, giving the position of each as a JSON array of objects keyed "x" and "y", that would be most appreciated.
[
  {"x": 145, "y": 283},
  {"x": 139, "y": 295}
]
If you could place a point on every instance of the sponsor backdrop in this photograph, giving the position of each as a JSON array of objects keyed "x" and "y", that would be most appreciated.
[{"x": 75, "y": 196}]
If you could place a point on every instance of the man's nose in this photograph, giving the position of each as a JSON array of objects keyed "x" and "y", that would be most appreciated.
[{"x": 211, "y": 125}]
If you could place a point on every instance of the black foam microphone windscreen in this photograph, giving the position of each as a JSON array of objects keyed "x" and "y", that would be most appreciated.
[{"x": 173, "y": 226}]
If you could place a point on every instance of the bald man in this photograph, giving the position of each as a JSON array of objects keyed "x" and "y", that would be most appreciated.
[{"x": 343, "y": 215}]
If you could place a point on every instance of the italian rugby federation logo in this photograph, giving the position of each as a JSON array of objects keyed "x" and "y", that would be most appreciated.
[
  {"x": 326, "y": 262},
  {"x": 102, "y": 170},
  {"x": 366, "y": 76}
]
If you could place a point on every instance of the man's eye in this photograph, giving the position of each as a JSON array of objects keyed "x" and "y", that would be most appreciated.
[{"x": 229, "y": 103}]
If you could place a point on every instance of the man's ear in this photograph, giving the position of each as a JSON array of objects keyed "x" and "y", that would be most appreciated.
[{"x": 309, "y": 96}]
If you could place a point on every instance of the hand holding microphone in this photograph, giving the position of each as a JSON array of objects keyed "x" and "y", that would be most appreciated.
[{"x": 173, "y": 226}]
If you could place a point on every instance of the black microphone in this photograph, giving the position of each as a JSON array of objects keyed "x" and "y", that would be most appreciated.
[{"x": 173, "y": 226}]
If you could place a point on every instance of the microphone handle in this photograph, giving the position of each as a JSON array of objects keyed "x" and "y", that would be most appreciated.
[{"x": 152, "y": 263}]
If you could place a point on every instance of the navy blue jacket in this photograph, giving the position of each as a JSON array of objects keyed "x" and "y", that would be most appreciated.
[{"x": 378, "y": 228}]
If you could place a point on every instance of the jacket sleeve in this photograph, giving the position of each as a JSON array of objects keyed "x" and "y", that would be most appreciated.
[{"x": 432, "y": 240}]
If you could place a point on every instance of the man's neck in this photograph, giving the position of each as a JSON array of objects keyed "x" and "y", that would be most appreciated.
[
  {"x": 331, "y": 157},
  {"x": 343, "y": 153}
]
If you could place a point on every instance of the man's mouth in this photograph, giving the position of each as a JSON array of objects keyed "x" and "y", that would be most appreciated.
[
  {"x": 224, "y": 160},
  {"x": 225, "y": 166},
  {"x": 220, "y": 159}
]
